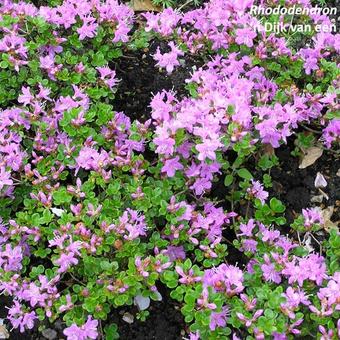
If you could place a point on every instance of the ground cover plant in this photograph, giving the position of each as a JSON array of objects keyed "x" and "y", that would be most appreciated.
[{"x": 104, "y": 208}]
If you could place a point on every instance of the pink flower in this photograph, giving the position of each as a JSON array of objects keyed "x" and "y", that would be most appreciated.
[
  {"x": 5, "y": 177},
  {"x": 311, "y": 64},
  {"x": 26, "y": 97},
  {"x": 331, "y": 293},
  {"x": 108, "y": 76},
  {"x": 171, "y": 165},
  {"x": 311, "y": 216},
  {"x": 203, "y": 301},
  {"x": 19, "y": 318},
  {"x": 249, "y": 321},
  {"x": 245, "y": 36},
  {"x": 247, "y": 229},
  {"x": 131, "y": 225},
  {"x": 207, "y": 149},
  {"x": 88, "y": 29},
  {"x": 86, "y": 331},
  {"x": 11, "y": 258},
  {"x": 249, "y": 245},
  {"x": 331, "y": 133},
  {"x": 269, "y": 272},
  {"x": 326, "y": 335},
  {"x": 168, "y": 60},
  {"x": 79, "y": 68},
  {"x": 44, "y": 93},
  {"x": 65, "y": 261},
  {"x": 219, "y": 319},
  {"x": 189, "y": 278},
  {"x": 194, "y": 336},
  {"x": 175, "y": 253},
  {"x": 294, "y": 297},
  {"x": 256, "y": 190},
  {"x": 91, "y": 159},
  {"x": 224, "y": 278},
  {"x": 163, "y": 22}
]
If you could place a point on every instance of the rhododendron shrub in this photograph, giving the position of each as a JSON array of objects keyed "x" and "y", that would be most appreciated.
[{"x": 98, "y": 210}]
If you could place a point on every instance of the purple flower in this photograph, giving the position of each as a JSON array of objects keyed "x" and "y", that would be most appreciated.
[
  {"x": 203, "y": 300},
  {"x": 26, "y": 96},
  {"x": 326, "y": 335},
  {"x": 269, "y": 236},
  {"x": 269, "y": 272},
  {"x": 131, "y": 225},
  {"x": 175, "y": 253},
  {"x": 249, "y": 245},
  {"x": 171, "y": 165},
  {"x": 219, "y": 319},
  {"x": 312, "y": 216},
  {"x": 163, "y": 22},
  {"x": 86, "y": 331},
  {"x": 201, "y": 185},
  {"x": 11, "y": 258},
  {"x": 224, "y": 278},
  {"x": 311, "y": 268},
  {"x": 65, "y": 261},
  {"x": 331, "y": 133},
  {"x": 311, "y": 64},
  {"x": 108, "y": 76},
  {"x": 189, "y": 278},
  {"x": 247, "y": 229},
  {"x": 331, "y": 293},
  {"x": 5, "y": 177},
  {"x": 257, "y": 191},
  {"x": 247, "y": 321},
  {"x": 91, "y": 159},
  {"x": 245, "y": 36},
  {"x": 194, "y": 336},
  {"x": 19, "y": 318},
  {"x": 294, "y": 297},
  {"x": 88, "y": 29},
  {"x": 207, "y": 149},
  {"x": 168, "y": 60}
]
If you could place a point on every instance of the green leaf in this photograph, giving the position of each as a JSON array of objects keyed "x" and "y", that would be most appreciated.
[
  {"x": 111, "y": 332},
  {"x": 276, "y": 205},
  {"x": 245, "y": 174},
  {"x": 228, "y": 180},
  {"x": 61, "y": 196}
]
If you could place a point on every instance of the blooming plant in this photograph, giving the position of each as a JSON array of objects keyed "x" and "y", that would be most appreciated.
[{"x": 98, "y": 209}]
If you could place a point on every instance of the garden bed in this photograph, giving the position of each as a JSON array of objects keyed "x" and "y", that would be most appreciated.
[{"x": 170, "y": 175}]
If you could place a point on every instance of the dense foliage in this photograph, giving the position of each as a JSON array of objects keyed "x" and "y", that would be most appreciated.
[{"x": 97, "y": 209}]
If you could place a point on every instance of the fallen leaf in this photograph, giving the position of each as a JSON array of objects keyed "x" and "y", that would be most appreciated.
[
  {"x": 267, "y": 149},
  {"x": 142, "y": 302},
  {"x": 144, "y": 6},
  {"x": 312, "y": 154},
  {"x": 57, "y": 212},
  {"x": 326, "y": 215},
  {"x": 317, "y": 199},
  {"x": 308, "y": 244},
  {"x": 320, "y": 181},
  {"x": 127, "y": 317},
  {"x": 3, "y": 331}
]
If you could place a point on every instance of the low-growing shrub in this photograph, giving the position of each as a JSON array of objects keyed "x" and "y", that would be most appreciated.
[{"x": 98, "y": 209}]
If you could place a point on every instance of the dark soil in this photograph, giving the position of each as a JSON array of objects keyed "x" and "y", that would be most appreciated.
[
  {"x": 165, "y": 321},
  {"x": 295, "y": 187},
  {"x": 137, "y": 88}
]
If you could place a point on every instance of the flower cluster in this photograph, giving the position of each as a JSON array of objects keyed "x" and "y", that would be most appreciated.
[{"x": 98, "y": 209}]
